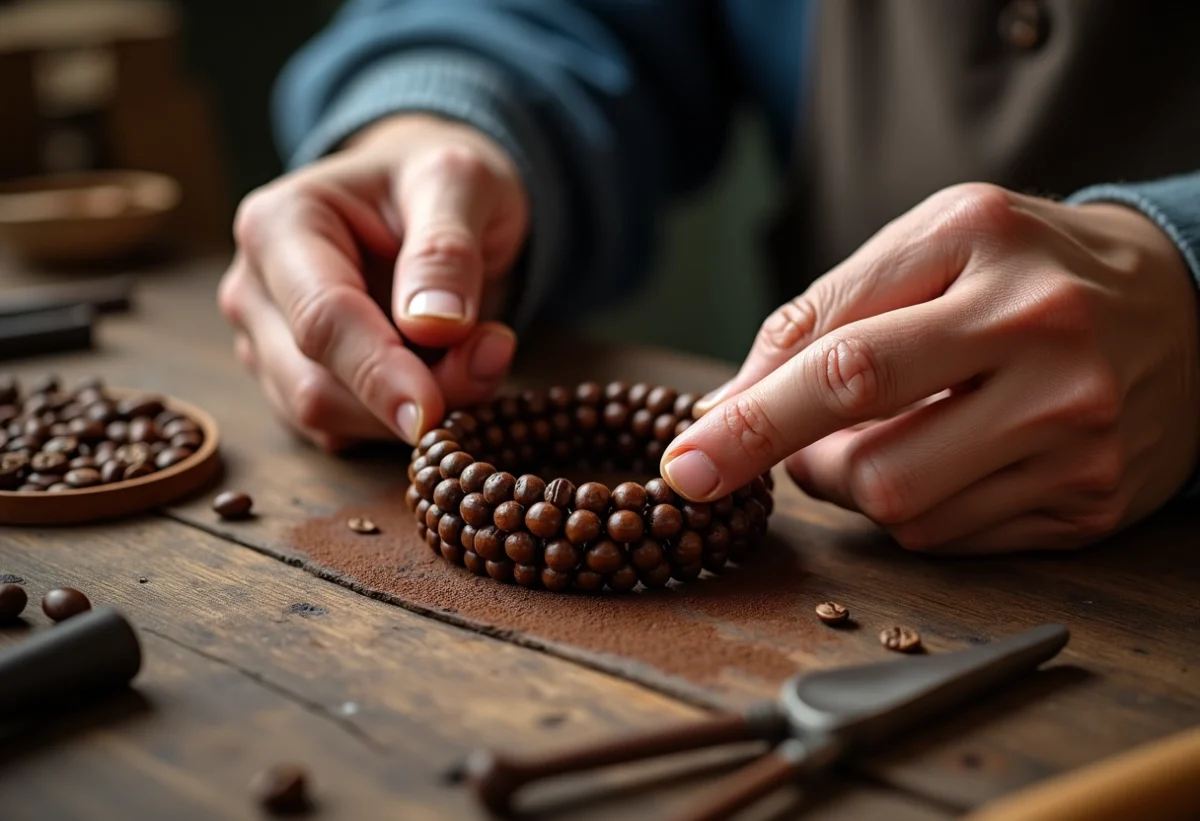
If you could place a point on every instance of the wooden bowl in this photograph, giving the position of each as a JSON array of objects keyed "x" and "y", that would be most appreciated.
[
  {"x": 87, "y": 217},
  {"x": 113, "y": 501}
]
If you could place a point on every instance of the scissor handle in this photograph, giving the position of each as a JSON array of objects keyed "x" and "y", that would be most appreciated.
[{"x": 495, "y": 777}]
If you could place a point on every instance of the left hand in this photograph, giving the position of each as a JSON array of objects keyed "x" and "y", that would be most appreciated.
[{"x": 989, "y": 372}]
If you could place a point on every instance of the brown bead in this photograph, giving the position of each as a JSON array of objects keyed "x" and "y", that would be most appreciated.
[
  {"x": 558, "y": 397},
  {"x": 665, "y": 521},
  {"x": 616, "y": 414},
  {"x": 62, "y": 603},
  {"x": 467, "y": 537},
  {"x": 561, "y": 555},
  {"x": 642, "y": 423},
  {"x": 629, "y": 496},
  {"x": 560, "y": 492},
  {"x": 697, "y": 515},
  {"x": 544, "y": 520},
  {"x": 13, "y": 599},
  {"x": 489, "y": 543},
  {"x": 455, "y": 463},
  {"x": 555, "y": 581},
  {"x": 453, "y": 553},
  {"x": 83, "y": 477},
  {"x": 464, "y": 420},
  {"x": 529, "y": 489},
  {"x": 743, "y": 493},
  {"x": 450, "y": 529},
  {"x": 654, "y": 452},
  {"x": 441, "y": 450},
  {"x": 541, "y": 431},
  {"x": 533, "y": 402},
  {"x": 475, "y": 510},
  {"x": 432, "y": 438},
  {"x": 831, "y": 612},
  {"x": 592, "y": 496},
  {"x": 421, "y": 529},
  {"x": 658, "y": 492},
  {"x": 232, "y": 504},
  {"x": 508, "y": 407},
  {"x": 583, "y": 526},
  {"x": 561, "y": 423},
  {"x": 485, "y": 416},
  {"x": 586, "y": 418},
  {"x": 428, "y": 478},
  {"x": 625, "y": 526},
  {"x": 448, "y": 494},
  {"x": 474, "y": 562},
  {"x": 738, "y": 549},
  {"x": 657, "y": 576},
  {"x": 900, "y": 639},
  {"x": 411, "y": 495},
  {"x": 623, "y": 579},
  {"x": 588, "y": 582},
  {"x": 723, "y": 506},
  {"x": 508, "y": 456},
  {"x": 498, "y": 487},
  {"x": 660, "y": 400},
  {"x": 526, "y": 454},
  {"x": 421, "y": 509},
  {"x": 717, "y": 537},
  {"x": 637, "y": 394},
  {"x": 682, "y": 425},
  {"x": 562, "y": 450},
  {"x": 683, "y": 405},
  {"x": 687, "y": 572},
  {"x": 518, "y": 433},
  {"x": 171, "y": 457},
  {"x": 521, "y": 547},
  {"x": 687, "y": 548},
  {"x": 474, "y": 475},
  {"x": 433, "y": 517},
  {"x": 646, "y": 555},
  {"x": 714, "y": 562},
  {"x": 509, "y": 516},
  {"x": 626, "y": 444},
  {"x": 664, "y": 427},
  {"x": 738, "y": 523},
  {"x": 527, "y": 575},
  {"x": 433, "y": 540},
  {"x": 588, "y": 393},
  {"x": 605, "y": 557},
  {"x": 501, "y": 571}
]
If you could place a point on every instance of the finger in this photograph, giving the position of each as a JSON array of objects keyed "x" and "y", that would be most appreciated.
[
  {"x": 450, "y": 205},
  {"x": 307, "y": 396},
  {"x": 243, "y": 348},
  {"x": 864, "y": 370},
  {"x": 309, "y": 263},
  {"x": 474, "y": 370},
  {"x": 911, "y": 260}
]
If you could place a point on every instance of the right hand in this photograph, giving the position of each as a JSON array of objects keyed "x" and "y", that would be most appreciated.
[{"x": 440, "y": 198}]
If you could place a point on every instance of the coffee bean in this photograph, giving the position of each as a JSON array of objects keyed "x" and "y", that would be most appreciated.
[
  {"x": 102, "y": 411},
  {"x": 118, "y": 431},
  {"x": 59, "y": 488},
  {"x": 142, "y": 429},
  {"x": 144, "y": 405},
  {"x": 561, "y": 493},
  {"x": 82, "y": 477},
  {"x": 361, "y": 525},
  {"x": 10, "y": 389},
  {"x": 232, "y": 504},
  {"x": 62, "y": 603},
  {"x": 12, "y": 601},
  {"x": 177, "y": 427},
  {"x": 529, "y": 490},
  {"x": 193, "y": 441},
  {"x": 900, "y": 639},
  {"x": 86, "y": 430},
  {"x": 167, "y": 417},
  {"x": 282, "y": 789},
  {"x": 831, "y": 612},
  {"x": 62, "y": 444},
  {"x": 50, "y": 462},
  {"x": 137, "y": 471},
  {"x": 171, "y": 457},
  {"x": 47, "y": 383},
  {"x": 112, "y": 470},
  {"x": 81, "y": 462}
]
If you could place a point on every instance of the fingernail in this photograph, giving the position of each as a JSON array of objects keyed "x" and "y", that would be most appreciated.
[
  {"x": 492, "y": 355},
  {"x": 437, "y": 304},
  {"x": 693, "y": 475},
  {"x": 712, "y": 397},
  {"x": 408, "y": 419}
]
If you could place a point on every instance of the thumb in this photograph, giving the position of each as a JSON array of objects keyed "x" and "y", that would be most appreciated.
[{"x": 461, "y": 223}]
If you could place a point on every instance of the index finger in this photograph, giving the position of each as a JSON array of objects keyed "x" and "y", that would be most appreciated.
[
  {"x": 310, "y": 264},
  {"x": 861, "y": 371}
]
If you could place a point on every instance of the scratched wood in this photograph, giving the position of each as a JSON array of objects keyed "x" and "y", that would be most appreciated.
[
  {"x": 1133, "y": 605},
  {"x": 249, "y": 662}
]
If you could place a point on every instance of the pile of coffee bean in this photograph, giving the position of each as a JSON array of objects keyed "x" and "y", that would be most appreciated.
[{"x": 53, "y": 439}]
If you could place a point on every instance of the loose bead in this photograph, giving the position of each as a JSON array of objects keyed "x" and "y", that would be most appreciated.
[
  {"x": 660, "y": 400},
  {"x": 592, "y": 496},
  {"x": 658, "y": 492},
  {"x": 501, "y": 571},
  {"x": 498, "y": 487},
  {"x": 448, "y": 495},
  {"x": 454, "y": 464},
  {"x": 509, "y": 516},
  {"x": 475, "y": 510},
  {"x": 723, "y": 506},
  {"x": 432, "y": 517},
  {"x": 588, "y": 393},
  {"x": 623, "y": 579},
  {"x": 529, "y": 489},
  {"x": 637, "y": 394},
  {"x": 642, "y": 423},
  {"x": 555, "y": 581},
  {"x": 697, "y": 515},
  {"x": 474, "y": 562},
  {"x": 664, "y": 427},
  {"x": 716, "y": 538},
  {"x": 544, "y": 520},
  {"x": 738, "y": 523},
  {"x": 629, "y": 496},
  {"x": 588, "y": 582},
  {"x": 616, "y": 415},
  {"x": 605, "y": 557},
  {"x": 441, "y": 450},
  {"x": 665, "y": 521},
  {"x": 686, "y": 549},
  {"x": 560, "y": 492},
  {"x": 561, "y": 555},
  {"x": 657, "y": 576},
  {"x": 432, "y": 438},
  {"x": 583, "y": 526},
  {"x": 521, "y": 547},
  {"x": 527, "y": 575},
  {"x": 625, "y": 526},
  {"x": 490, "y": 543},
  {"x": 453, "y": 553},
  {"x": 450, "y": 529},
  {"x": 647, "y": 555}
]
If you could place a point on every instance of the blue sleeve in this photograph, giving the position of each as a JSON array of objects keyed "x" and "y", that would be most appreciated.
[
  {"x": 1173, "y": 204},
  {"x": 609, "y": 108}
]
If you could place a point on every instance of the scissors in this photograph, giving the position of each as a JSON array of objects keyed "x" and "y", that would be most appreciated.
[{"x": 819, "y": 719}]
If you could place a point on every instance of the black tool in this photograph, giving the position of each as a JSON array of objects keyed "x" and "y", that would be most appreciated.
[{"x": 819, "y": 719}]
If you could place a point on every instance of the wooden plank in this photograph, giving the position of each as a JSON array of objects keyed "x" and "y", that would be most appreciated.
[{"x": 249, "y": 662}]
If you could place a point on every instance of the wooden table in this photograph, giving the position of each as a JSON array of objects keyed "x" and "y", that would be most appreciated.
[{"x": 252, "y": 660}]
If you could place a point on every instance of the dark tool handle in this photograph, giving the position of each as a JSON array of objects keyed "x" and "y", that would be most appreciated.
[
  {"x": 64, "y": 665},
  {"x": 495, "y": 778},
  {"x": 45, "y": 332},
  {"x": 107, "y": 295},
  {"x": 749, "y": 784}
]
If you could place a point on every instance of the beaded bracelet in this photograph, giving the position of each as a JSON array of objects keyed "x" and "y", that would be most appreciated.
[{"x": 557, "y": 536}]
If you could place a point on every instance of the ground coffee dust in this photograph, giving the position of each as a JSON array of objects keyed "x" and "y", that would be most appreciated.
[{"x": 733, "y": 637}]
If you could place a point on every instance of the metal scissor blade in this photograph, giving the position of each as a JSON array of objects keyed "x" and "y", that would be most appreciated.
[{"x": 863, "y": 706}]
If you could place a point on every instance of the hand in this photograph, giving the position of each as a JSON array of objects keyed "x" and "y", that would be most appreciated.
[
  {"x": 990, "y": 372},
  {"x": 444, "y": 202}
]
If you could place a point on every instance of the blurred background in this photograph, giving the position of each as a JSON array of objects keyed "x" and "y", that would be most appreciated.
[{"x": 181, "y": 88}]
